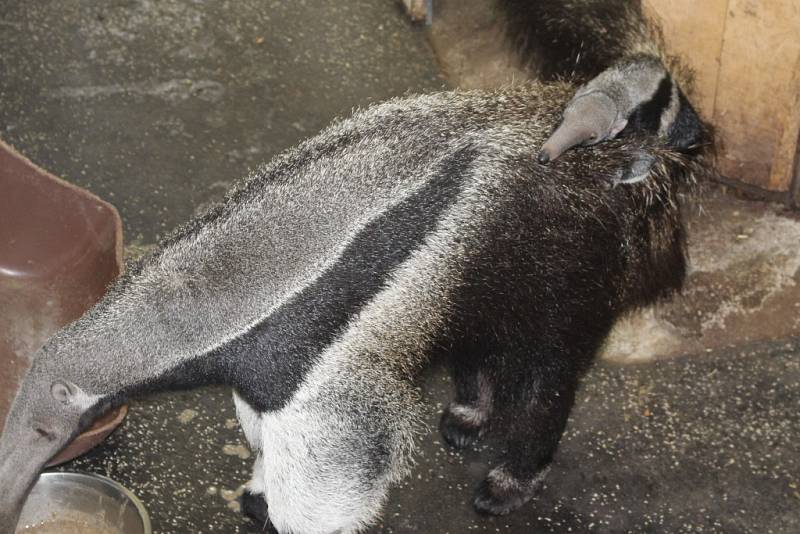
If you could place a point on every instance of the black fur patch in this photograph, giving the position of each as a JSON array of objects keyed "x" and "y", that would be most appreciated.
[
  {"x": 687, "y": 131},
  {"x": 267, "y": 363},
  {"x": 255, "y": 507},
  {"x": 647, "y": 116}
]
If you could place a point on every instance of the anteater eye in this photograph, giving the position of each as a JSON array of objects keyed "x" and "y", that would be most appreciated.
[{"x": 44, "y": 434}]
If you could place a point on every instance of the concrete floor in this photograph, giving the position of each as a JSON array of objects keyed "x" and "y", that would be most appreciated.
[
  {"x": 696, "y": 444},
  {"x": 159, "y": 107}
]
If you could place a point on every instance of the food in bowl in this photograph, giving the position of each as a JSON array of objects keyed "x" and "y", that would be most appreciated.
[
  {"x": 81, "y": 503},
  {"x": 70, "y": 523}
]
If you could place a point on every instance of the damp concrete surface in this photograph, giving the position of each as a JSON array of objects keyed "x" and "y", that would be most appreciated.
[{"x": 689, "y": 423}]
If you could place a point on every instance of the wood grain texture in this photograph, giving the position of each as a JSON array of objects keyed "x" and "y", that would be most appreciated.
[
  {"x": 755, "y": 110},
  {"x": 796, "y": 182},
  {"x": 784, "y": 166},
  {"x": 745, "y": 55}
]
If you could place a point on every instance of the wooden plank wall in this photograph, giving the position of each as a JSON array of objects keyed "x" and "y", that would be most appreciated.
[{"x": 746, "y": 57}]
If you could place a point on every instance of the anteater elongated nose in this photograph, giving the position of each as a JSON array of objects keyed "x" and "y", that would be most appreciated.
[{"x": 588, "y": 119}]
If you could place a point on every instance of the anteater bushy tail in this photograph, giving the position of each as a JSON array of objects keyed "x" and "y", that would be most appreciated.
[{"x": 577, "y": 39}]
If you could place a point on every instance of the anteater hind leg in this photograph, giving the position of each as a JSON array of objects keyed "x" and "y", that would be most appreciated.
[
  {"x": 466, "y": 419},
  {"x": 254, "y": 502},
  {"x": 534, "y": 396}
]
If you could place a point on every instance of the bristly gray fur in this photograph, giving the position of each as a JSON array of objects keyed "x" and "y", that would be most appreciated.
[
  {"x": 227, "y": 273},
  {"x": 577, "y": 39},
  {"x": 324, "y": 284}
]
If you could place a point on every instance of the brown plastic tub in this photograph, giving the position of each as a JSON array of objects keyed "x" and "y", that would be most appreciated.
[{"x": 60, "y": 247}]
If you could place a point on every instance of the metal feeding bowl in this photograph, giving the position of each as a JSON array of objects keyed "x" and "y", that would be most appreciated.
[{"x": 81, "y": 503}]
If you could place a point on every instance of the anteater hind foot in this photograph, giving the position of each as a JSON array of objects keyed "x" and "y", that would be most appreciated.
[{"x": 501, "y": 492}]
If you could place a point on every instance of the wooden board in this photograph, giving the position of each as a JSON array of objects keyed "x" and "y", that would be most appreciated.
[
  {"x": 756, "y": 108},
  {"x": 796, "y": 183},
  {"x": 746, "y": 55},
  {"x": 787, "y": 159}
]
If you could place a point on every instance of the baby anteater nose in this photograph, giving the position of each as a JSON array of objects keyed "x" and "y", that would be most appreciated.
[{"x": 544, "y": 157}]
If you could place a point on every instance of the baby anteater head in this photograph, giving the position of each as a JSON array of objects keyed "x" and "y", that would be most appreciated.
[{"x": 635, "y": 96}]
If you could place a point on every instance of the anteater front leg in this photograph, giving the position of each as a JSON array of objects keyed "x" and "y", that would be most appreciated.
[
  {"x": 534, "y": 396},
  {"x": 254, "y": 506}
]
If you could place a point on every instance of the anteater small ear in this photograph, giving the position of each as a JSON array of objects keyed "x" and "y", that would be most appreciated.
[
  {"x": 63, "y": 391},
  {"x": 617, "y": 127}
]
